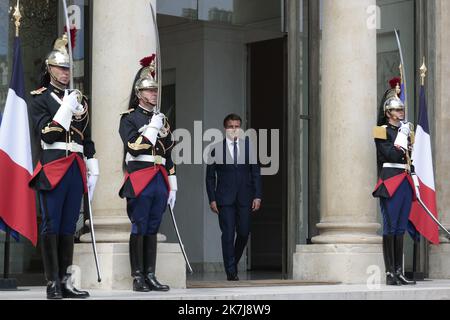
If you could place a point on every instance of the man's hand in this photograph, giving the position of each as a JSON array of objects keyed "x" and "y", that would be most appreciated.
[
  {"x": 214, "y": 208},
  {"x": 157, "y": 121},
  {"x": 91, "y": 183},
  {"x": 70, "y": 101},
  {"x": 256, "y": 205},
  {"x": 402, "y": 138},
  {"x": 93, "y": 173},
  {"x": 153, "y": 128},
  {"x": 405, "y": 128},
  {"x": 172, "y": 198}
]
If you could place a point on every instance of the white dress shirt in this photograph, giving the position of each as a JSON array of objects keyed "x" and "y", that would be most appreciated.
[{"x": 230, "y": 144}]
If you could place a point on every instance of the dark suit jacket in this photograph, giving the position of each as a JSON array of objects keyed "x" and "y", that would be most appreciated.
[{"x": 229, "y": 184}]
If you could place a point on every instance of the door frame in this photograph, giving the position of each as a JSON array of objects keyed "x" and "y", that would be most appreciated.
[{"x": 283, "y": 165}]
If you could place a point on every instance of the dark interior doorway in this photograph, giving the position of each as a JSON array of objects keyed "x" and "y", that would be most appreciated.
[{"x": 267, "y": 110}]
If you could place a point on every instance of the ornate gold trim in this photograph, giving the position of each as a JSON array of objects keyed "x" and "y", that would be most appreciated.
[
  {"x": 127, "y": 112},
  {"x": 49, "y": 129},
  {"x": 423, "y": 72},
  {"x": 78, "y": 131},
  {"x": 162, "y": 146},
  {"x": 38, "y": 91},
  {"x": 138, "y": 145}
]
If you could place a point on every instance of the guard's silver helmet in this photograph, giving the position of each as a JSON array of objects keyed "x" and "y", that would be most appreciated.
[
  {"x": 393, "y": 102},
  {"x": 147, "y": 77},
  {"x": 59, "y": 57}
]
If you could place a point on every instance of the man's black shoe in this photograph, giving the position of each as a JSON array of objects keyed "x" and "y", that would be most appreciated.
[
  {"x": 54, "y": 290},
  {"x": 232, "y": 277}
]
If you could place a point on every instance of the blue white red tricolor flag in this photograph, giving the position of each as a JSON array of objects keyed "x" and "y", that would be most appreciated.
[
  {"x": 17, "y": 199},
  {"x": 423, "y": 164}
]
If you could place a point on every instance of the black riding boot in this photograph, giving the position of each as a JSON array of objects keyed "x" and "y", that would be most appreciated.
[
  {"x": 150, "y": 243},
  {"x": 49, "y": 244},
  {"x": 399, "y": 261},
  {"x": 65, "y": 255},
  {"x": 137, "y": 263},
  {"x": 388, "y": 253}
]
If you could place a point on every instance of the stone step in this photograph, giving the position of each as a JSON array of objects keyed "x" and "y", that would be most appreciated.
[{"x": 427, "y": 290}]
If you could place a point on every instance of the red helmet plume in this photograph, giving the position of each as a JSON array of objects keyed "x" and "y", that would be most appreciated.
[
  {"x": 73, "y": 35},
  {"x": 147, "y": 62},
  {"x": 394, "y": 82}
]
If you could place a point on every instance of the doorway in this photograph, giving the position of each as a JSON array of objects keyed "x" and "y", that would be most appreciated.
[{"x": 267, "y": 109}]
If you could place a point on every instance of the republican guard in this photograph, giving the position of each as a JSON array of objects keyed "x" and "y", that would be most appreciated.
[
  {"x": 395, "y": 188},
  {"x": 67, "y": 168},
  {"x": 150, "y": 180}
]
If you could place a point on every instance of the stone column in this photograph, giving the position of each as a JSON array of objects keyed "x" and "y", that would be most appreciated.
[
  {"x": 439, "y": 262},
  {"x": 348, "y": 243},
  {"x": 122, "y": 36}
]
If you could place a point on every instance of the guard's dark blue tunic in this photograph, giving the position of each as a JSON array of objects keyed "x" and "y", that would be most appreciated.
[
  {"x": 148, "y": 166},
  {"x": 395, "y": 187},
  {"x": 60, "y": 175}
]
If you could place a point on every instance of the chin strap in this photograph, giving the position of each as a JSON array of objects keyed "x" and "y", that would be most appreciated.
[
  {"x": 147, "y": 105},
  {"x": 145, "y": 101},
  {"x": 394, "y": 118},
  {"x": 53, "y": 79}
]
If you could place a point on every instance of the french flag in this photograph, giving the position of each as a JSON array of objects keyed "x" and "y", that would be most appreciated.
[
  {"x": 423, "y": 164},
  {"x": 17, "y": 200}
]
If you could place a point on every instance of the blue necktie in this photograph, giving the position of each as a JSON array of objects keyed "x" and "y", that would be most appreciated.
[{"x": 235, "y": 153}]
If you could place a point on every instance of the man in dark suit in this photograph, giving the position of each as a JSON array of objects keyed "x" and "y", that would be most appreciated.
[{"x": 233, "y": 183}]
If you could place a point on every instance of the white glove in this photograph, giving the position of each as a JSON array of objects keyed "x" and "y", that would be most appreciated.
[
  {"x": 416, "y": 184},
  {"x": 405, "y": 128},
  {"x": 91, "y": 182},
  {"x": 173, "y": 191},
  {"x": 70, "y": 101},
  {"x": 403, "y": 135},
  {"x": 93, "y": 173},
  {"x": 172, "y": 199},
  {"x": 156, "y": 123},
  {"x": 69, "y": 106},
  {"x": 173, "y": 183}
]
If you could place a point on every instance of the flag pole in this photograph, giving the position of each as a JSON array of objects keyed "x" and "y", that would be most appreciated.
[
  {"x": 6, "y": 253},
  {"x": 419, "y": 276},
  {"x": 17, "y": 16},
  {"x": 6, "y": 283},
  {"x": 423, "y": 73},
  {"x": 416, "y": 275}
]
